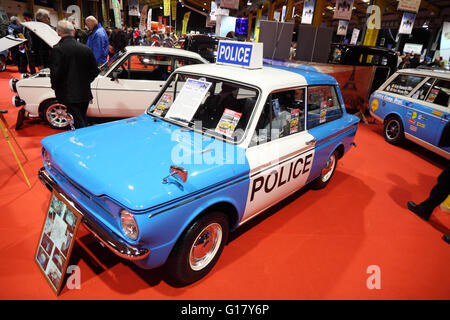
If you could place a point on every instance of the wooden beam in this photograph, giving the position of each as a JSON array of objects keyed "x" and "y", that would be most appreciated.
[{"x": 426, "y": 5}]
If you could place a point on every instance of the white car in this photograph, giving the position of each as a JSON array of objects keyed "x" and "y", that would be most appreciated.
[{"x": 125, "y": 87}]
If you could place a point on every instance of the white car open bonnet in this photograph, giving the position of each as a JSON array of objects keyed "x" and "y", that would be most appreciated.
[
  {"x": 9, "y": 42},
  {"x": 42, "y": 30}
]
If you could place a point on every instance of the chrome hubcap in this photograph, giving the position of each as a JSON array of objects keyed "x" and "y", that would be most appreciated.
[
  {"x": 327, "y": 171},
  {"x": 57, "y": 116},
  {"x": 392, "y": 129},
  {"x": 205, "y": 246}
]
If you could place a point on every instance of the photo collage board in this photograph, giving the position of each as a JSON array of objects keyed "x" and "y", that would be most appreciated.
[{"x": 57, "y": 239}]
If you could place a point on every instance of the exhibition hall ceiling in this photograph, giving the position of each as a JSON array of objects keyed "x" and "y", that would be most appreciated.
[{"x": 428, "y": 8}]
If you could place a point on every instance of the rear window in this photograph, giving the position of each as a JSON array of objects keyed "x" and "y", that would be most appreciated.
[
  {"x": 403, "y": 84},
  {"x": 439, "y": 93}
]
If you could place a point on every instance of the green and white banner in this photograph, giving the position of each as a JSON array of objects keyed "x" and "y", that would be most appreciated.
[{"x": 117, "y": 14}]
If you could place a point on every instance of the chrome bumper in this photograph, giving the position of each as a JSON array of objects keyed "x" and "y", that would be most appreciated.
[{"x": 105, "y": 236}]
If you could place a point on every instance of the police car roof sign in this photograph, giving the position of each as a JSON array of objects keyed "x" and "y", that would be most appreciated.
[{"x": 241, "y": 54}]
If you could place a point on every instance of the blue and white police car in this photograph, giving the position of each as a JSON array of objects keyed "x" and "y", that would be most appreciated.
[
  {"x": 414, "y": 104},
  {"x": 220, "y": 144}
]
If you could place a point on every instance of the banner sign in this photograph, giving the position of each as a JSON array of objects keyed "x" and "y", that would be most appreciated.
[
  {"x": 133, "y": 8},
  {"x": 185, "y": 22},
  {"x": 174, "y": 10},
  {"x": 142, "y": 22},
  {"x": 117, "y": 13},
  {"x": 409, "y": 5},
  {"x": 149, "y": 19},
  {"x": 105, "y": 19},
  {"x": 308, "y": 11},
  {"x": 343, "y": 10},
  {"x": 56, "y": 242},
  {"x": 342, "y": 28},
  {"x": 445, "y": 41},
  {"x": 355, "y": 36},
  {"x": 407, "y": 23},
  {"x": 166, "y": 8}
]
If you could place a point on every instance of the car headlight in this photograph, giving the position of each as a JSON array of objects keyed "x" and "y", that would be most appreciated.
[
  {"x": 129, "y": 225},
  {"x": 12, "y": 84},
  {"x": 47, "y": 158}
]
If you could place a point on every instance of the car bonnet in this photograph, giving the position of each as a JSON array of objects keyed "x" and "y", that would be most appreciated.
[{"x": 127, "y": 160}]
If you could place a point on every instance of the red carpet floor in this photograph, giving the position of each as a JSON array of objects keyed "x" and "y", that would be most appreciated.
[{"x": 313, "y": 245}]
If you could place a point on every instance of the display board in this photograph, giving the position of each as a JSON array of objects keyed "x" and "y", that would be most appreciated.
[
  {"x": 277, "y": 39},
  {"x": 57, "y": 239},
  {"x": 313, "y": 43}
]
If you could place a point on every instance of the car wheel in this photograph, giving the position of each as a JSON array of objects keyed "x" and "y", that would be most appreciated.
[
  {"x": 56, "y": 115},
  {"x": 327, "y": 172},
  {"x": 198, "y": 249},
  {"x": 2, "y": 63},
  {"x": 393, "y": 130}
]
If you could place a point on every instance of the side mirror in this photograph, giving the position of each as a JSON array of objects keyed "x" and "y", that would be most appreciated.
[{"x": 115, "y": 76}]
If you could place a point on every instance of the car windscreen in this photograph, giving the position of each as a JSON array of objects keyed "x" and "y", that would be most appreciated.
[{"x": 218, "y": 107}]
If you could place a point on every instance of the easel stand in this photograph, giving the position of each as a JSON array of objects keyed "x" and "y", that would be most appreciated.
[{"x": 7, "y": 133}]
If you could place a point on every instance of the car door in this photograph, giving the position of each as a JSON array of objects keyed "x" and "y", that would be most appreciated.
[
  {"x": 437, "y": 102},
  {"x": 280, "y": 156},
  {"x": 323, "y": 122},
  {"x": 130, "y": 87},
  {"x": 404, "y": 90}
]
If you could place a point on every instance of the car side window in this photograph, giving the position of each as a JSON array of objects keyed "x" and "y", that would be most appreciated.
[
  {"x": 179, "y": 62},
  {"x": 323, "y": 105},
  {"x": 403, "y": 84},
  {"x": 145, "y": 67},
  {"x": 123, "y": 70},
  {"x": 439, "y": 93},
  {"x": 422, "y": 92},
  {"x": 283, "y": 115}
]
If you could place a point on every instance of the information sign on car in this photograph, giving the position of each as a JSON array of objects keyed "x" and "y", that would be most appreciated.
[{"x": 56, "y": 242}]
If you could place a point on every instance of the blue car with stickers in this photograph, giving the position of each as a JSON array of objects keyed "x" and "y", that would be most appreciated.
[
  {"x": 413, "y": 104},
  {"x": 220, "y": 144}
]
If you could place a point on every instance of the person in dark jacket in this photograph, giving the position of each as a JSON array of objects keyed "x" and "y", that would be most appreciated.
[
  {"x": 27, "y": 16},
  {"x": 72, "y": 70},
  {"x": 40, "y": 48},
  {"x": 440, "y": 191},
  {"x": 18, "y": 54},
  {"x": 118, "y": 40}
]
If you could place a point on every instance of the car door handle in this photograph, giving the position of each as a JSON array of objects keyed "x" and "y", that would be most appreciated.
[{"x": 311, "y": 142}]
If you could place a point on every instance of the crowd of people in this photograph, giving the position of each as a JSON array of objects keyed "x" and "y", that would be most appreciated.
[
  {"x": 35, "y": 52},
  {"x": 413, "y": 60},
  {"x": 105, "y": 42}
]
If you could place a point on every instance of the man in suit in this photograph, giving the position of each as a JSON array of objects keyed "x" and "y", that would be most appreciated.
[{"x": 73, "y": 68}]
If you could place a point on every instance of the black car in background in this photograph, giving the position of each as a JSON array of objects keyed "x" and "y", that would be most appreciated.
[
  {"x": 384, "y": 60},
  {"x": 203, "y": 44}
]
